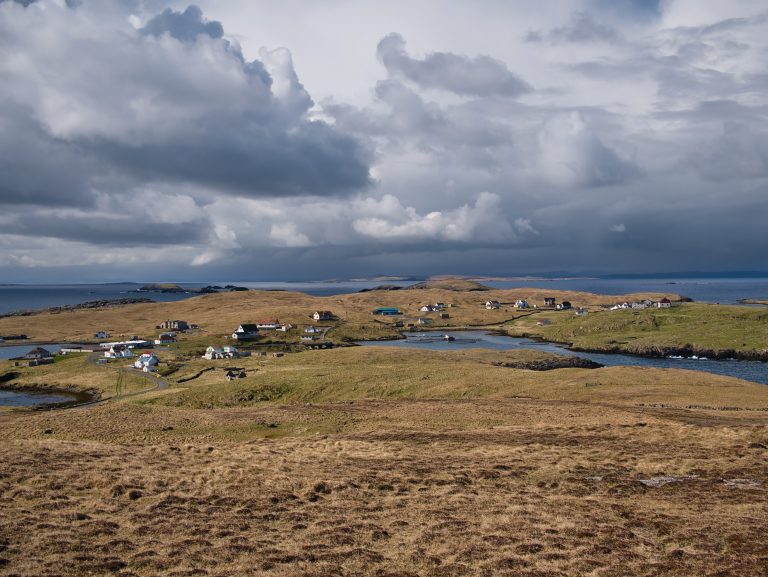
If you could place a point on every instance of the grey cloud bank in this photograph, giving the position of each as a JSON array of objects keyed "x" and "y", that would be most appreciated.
[{"x": 584, "y": 136}]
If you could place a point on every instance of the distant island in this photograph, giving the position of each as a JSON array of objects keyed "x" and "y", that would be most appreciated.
[
  {"x": 174, "y": 288},
  {"x": 442, "y": 283}
]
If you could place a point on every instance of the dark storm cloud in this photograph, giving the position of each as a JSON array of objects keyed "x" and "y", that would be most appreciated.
[
  {"x": 478, "y": 76},
  {"x": 173, "y": 102},
  {"x": 184, "y": 26},
  {"x": 629, "y": 9},
  {"x": 38, "y": 170},
  {"x": 582, "y": 28},
  {"x": 108, "y": 230},
  {"x": 740, "y": 151},
  {"x": 253, "y": 160}
]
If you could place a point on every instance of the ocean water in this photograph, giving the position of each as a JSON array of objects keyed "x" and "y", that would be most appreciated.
[
  {"x": 754, "y": 371},
  {"x": 719, "y": 290},
  {"x": 724, "y": 291},
  {"x": 31, "y": 297},
  {"x": 30, "y": 399}
]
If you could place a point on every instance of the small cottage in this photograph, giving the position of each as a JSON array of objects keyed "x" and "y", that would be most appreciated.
[
  {"x": 492, "y": 305},
  {"x": 549, "y": 301},
  {"x": 166, "y": 339},
  {"x": 118, "y": 351},
  {"x": 246, "y": 332},
  {"x": 323, "y": 316},
  {"x": 174, "y": 325},
  {"x": 564, "y": 306},
  {"x": 38, "y": 353},
  {"x": 147, "y": 362},
  {"x": 664, "y": 303},
  {"x": 268, "y": 324},
  {"x": 521, "y": 304}
]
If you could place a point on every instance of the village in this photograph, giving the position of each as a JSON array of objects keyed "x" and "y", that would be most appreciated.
[{"x": 270, "y": 336}]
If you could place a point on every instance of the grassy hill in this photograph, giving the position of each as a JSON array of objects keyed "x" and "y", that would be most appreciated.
[
  {"x": 707, "y": 330},
  {"x": 219, "y": 314}
]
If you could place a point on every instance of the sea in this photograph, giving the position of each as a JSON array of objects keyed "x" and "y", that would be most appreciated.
[{"x": 711, "y": 290}]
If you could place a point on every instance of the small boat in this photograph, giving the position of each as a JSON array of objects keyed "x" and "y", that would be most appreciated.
[{"x": 449, "y": 338}]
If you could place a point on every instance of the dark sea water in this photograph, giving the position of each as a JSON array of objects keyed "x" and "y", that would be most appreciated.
[
  {"x": 748, "y": 370},
  {"x": 720, "y": 290},
  {"x": 724, "y": 291},
  {"x": 30, "y": 399}
]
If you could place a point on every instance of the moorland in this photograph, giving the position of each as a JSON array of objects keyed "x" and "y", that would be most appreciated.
[{"x": 383, "y": 461}]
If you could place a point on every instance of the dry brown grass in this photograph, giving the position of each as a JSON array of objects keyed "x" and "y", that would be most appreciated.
[
  {"x": 384, "y": 463},
  {"x": 432, "y": 487}
]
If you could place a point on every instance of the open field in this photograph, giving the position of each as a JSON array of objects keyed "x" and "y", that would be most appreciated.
[
  {"x": 382, "y": 462},
  {"x": 701, "y": 328},
  {"x": 74, "y": 373}
]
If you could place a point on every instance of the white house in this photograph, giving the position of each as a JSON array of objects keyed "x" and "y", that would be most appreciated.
[
  {"x": 664, "y": 303},
  {"x": 246, "y": 332},
  {"x": 118, "y": 352},
  {"x": 285, "y": 327},
  {"x": 322, "y": 315},
  {"x": 521, "y": 304},
  {"x": 492, "y": 304},
  {"x": 147, "y": 362},
  {"x": 212, "y": 353},
  {"x": 268, "y": 324},
  {"x": 311, "y": 330},
  {"x": 427, "y": 309}
]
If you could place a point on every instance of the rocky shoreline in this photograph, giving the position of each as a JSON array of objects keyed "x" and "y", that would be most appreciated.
[
  {"x": 687, "y": 351},
  {"x": 550, "y": 364}
]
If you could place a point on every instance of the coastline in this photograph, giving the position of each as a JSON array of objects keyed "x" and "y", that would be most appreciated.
[
  {"x": 80, "y": 397},
  {"x": 653, "y": 352}
]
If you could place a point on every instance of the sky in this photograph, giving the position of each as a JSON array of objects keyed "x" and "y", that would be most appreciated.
[{"x": 296, "y": 140}]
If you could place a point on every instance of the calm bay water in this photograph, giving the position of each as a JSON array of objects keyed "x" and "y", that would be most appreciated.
[
  {"x": 748, "y": 370},
  {"x": 30, "y": 399},
  {"x": 16, "y": 350}
]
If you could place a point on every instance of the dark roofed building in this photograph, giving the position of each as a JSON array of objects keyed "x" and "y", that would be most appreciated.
[{"x": 38, "y": 353}]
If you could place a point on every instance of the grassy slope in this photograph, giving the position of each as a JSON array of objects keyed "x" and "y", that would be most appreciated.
[
  {"x": 383, "y": 373},
  {"x": 72, "y": 372},
  {"x": 219, "y": 314},
  {"x": 698, "y": 326}
]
